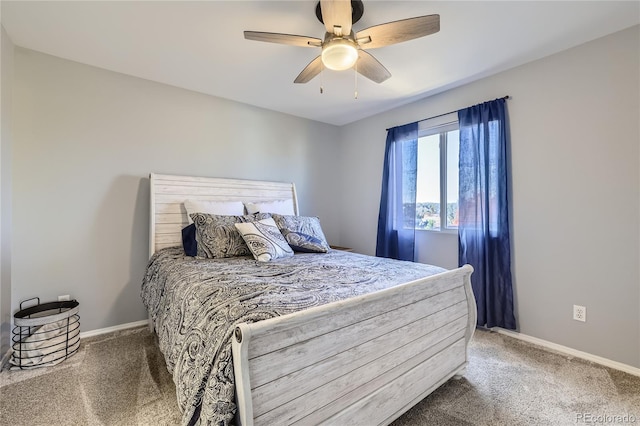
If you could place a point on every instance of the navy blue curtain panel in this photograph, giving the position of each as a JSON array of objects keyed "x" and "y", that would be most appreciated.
[
  {"x": 397, "y": 217},
  {"x": 483, "y": 228}
]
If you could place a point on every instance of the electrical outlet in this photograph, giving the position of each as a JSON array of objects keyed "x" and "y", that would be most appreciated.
[
  {"x": 64, "y": 297},
  {"x": 579, "y": 313}
]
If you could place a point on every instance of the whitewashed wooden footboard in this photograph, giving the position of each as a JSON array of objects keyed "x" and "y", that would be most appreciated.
[{"x": 361, "y": 361}]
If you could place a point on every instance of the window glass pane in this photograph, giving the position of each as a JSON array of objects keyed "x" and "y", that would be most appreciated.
[
  {"x": 428, "y": 184},
  {"x": 453, "y": 153}
]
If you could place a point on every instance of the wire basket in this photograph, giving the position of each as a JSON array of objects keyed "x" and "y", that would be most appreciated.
[{"x": 45, "y": 334}]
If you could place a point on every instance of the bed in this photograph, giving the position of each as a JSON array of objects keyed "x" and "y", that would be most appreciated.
[{"x": 333, "y": 338}]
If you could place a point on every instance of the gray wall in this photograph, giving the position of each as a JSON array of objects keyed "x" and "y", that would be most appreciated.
[
  {"x": 6, "y": 85},
  {"x": 576, "y": 190},
  {"x": 86, "y": 140}
]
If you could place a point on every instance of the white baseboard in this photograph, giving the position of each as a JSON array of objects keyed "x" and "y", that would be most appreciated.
[
  {"x": 105, "y": 330},
  {"x": 570, "y": 351}
]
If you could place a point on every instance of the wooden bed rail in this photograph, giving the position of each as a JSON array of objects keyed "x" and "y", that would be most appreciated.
[{"x": 364, "y": 360}]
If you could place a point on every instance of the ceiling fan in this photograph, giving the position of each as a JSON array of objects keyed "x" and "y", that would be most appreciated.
[{"x": 342, "y": 48}]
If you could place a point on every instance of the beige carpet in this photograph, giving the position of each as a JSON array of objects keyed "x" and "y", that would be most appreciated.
[
  {"x": 121, "y": 379},
  {"x": 116, "y": 379}
]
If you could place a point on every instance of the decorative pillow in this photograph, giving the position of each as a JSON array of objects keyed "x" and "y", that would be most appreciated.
[
  {"x": 217, "y": 236},
  {"x": 227, "y": 208},
  {"x": 304, "y": 243},
  {"x": 264, "y": 240},
  {"x": 309, "y": 226},
  {"x": 189, "y": 243},
  {"x": 284, "y": 207}
]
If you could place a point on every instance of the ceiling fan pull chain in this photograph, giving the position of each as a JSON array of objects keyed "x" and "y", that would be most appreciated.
[
  {"x": 321, "y": 79},
  {"x": 355, "y": 73}
]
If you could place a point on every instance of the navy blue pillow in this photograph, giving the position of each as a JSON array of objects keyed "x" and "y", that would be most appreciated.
[{"x": 189, "y": 242}]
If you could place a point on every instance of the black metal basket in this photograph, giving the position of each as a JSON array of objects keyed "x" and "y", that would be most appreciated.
[{"x": 45, "y": 334}]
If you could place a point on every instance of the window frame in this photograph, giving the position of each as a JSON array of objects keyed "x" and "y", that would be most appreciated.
[{"x": 441, "y": 126}]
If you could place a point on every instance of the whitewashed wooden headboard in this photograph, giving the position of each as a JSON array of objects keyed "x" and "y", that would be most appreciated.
[{"x": 169, "y": 192}]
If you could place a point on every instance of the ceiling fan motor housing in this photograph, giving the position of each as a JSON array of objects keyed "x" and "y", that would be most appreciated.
[{"x": 357, "y": 10}]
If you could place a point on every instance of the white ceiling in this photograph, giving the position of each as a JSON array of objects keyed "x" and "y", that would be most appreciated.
[{"x": 200, "y": 45}]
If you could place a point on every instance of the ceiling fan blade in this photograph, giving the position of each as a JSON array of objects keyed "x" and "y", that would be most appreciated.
[
  {"x": 369, "y": 67},
  {"x": 294, "y": 40},
  {"x": 398, "y": 31},
  {"x": 310, "y": 71},
  {"x": 336, "y": 15}
]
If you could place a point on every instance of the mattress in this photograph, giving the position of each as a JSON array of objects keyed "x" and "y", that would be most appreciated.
[{"x": 195, "y": 304}]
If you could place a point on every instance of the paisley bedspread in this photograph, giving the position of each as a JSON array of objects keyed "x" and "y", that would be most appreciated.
[{"x": 195, "y": 304}]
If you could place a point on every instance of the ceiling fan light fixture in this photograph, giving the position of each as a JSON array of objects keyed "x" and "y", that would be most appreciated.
[
  {"x": 343, "y": 49},
  {"x": 339, "y": 54}
]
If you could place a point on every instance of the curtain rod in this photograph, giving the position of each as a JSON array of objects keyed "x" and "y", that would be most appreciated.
[{"x": 446, "y": 113}]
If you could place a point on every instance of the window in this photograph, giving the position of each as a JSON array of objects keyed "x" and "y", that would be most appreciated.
[{"x": 437, "y": 178}]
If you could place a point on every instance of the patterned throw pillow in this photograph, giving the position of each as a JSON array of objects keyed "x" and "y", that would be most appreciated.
[
  {"x": 298, "y": 228},
  {"x": 264, "y": 240},
  {"x": 217, "y": 237},
  {"x": 304, "y": 243}
]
